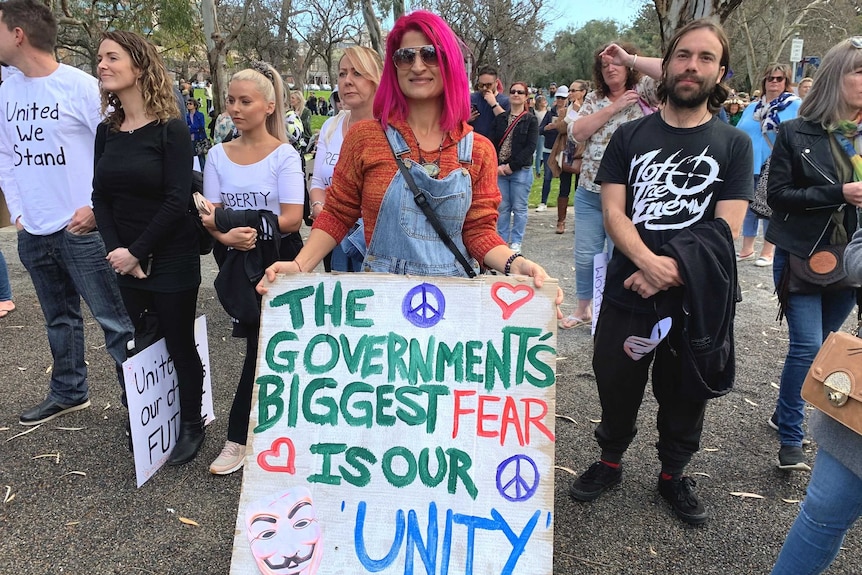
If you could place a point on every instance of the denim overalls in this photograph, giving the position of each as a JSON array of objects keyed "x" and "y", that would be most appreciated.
[{"x": 403, "y": 241}]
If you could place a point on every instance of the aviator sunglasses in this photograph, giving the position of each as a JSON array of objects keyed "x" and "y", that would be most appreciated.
[
  {"x": 404, "y": 57},
  {"x": 856, "y": 42}
]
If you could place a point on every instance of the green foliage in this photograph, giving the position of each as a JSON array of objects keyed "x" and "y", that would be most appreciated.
[{"x": 569, "y": 56}]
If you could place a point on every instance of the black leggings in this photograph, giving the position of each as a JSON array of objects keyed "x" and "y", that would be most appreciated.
[
  {"x": 176, "y": 316},
  {"x": 237, "y": 425}
]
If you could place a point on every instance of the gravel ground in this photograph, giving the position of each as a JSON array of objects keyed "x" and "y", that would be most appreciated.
[{"x": 97, "y": 522}]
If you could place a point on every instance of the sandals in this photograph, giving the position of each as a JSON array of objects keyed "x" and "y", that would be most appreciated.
[
  {"x": 573, "y": 321},
  {"x": 7, "y": 309}
]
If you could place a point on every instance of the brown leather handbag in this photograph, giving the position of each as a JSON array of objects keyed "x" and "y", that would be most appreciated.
[{"x": 834, "y": 381}]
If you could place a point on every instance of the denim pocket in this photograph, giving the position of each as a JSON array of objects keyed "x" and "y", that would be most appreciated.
[{"x": 449, "y": 203}]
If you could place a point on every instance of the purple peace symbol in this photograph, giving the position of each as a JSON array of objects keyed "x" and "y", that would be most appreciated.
[
  {"x": 517, "y": 478},
  {"x": 423, "y": 306}
]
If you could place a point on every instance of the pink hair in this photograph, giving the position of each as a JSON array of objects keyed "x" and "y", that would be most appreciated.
[{"x": 390, "y": 103}]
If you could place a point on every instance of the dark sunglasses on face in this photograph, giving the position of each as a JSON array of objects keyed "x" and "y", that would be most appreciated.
[
  {"x": 404, "y": 57},
  {"x": 485, "y": 86},
  {"x": 513, "y": 91},
  {"x": 775, "y": 79}
]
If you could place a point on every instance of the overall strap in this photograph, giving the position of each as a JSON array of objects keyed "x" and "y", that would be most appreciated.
[
  {"x": 396, "y": 142},
  {"x": 465, "y": 149}
]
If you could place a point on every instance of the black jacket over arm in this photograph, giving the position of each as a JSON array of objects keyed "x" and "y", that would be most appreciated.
[
  {"x": 525, "y": 134},
  {"x": 707, "y": 264}
]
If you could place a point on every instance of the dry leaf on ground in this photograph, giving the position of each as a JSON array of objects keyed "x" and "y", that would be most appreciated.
[
  {"x": 188, "y": 521},
  {"x": 745, "y": 494}
]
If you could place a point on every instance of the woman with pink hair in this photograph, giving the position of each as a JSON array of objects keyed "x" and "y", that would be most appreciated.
[{"x": 421, "y": 111}]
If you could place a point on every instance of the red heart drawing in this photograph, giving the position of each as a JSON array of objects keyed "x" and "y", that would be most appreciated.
[
  {"x": 509, "y": 308},
  {"x": 275, "y": 453}
]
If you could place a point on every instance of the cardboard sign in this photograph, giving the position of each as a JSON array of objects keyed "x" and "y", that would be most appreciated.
[
  {"x": 154, "y": 401},
  {"x": 401, "y": 425}
]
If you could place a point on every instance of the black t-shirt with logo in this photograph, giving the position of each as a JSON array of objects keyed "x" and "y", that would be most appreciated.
[{"x": 674, "y": 177}]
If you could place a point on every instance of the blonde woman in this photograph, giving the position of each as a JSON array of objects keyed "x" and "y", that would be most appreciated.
[
  {"x": 141, "y": 192},
  {"x": 255, "y": 185},
  {"x": 359, "y": 72},
  {"x": 297, "y": 104}
]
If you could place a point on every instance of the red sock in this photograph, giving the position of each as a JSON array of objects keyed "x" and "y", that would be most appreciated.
[
  {"x": 665, "y": 476},
  {"x": 611, "y": 465}
]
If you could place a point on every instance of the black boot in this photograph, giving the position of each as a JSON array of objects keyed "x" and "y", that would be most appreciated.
[{"x": 191, "y": 438}]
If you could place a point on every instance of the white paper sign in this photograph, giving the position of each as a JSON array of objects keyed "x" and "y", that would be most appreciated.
[
  {"x": 401, "y": 425},
  {"x": 154, "y": 401},
  {"x": 600, "y": 271}
]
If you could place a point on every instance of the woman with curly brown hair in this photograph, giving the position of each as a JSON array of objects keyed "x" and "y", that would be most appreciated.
[
  {"x": 141, "y": 192},
  {"x": 622, "y": 94}
]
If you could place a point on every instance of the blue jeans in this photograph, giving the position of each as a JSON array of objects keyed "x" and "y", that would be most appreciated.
[
  {"x": 810, "y": 318},
  {"x": 590, "y": 238},
  {"x": 565, "y": 182},
  {"x": 832, "y": 504},
  {"x": 749, "y": 224},
  {"x": 65, "y": 267},
  {"x": 515, "y": 190},
  {"x": 5, "y": 287},
  {"x": 540, "y": 150},
  {"x": 347, "y": 256}
]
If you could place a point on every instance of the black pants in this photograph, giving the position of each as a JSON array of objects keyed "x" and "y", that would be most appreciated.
[
  {"x": 621, "y": 384},
  {"x": 176, "y": 318},
  {"x": 237, "y": 425}
]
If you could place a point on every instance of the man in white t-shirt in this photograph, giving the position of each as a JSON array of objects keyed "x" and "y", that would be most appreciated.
[{"x": 46, "y": 168}]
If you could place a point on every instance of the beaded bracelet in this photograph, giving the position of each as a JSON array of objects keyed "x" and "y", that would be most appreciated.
[{"x": 508, "y": 267}]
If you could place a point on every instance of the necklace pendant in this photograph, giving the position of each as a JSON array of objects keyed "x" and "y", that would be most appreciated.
[{"x": 432, "y": 169}]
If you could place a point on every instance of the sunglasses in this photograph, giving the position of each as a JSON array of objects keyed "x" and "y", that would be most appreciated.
[
  {"x": 485, "y": 86},
  {"x": 520, "y": 92},
  {"x": 856, "y": 42},
  {"x": 405, "y": 57},
  {"x": 559, "y": 97},
  {"x": 775, "y": 79}
]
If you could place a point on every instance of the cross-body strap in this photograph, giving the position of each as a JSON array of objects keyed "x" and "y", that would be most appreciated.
[{"x": 426, "y": 208}]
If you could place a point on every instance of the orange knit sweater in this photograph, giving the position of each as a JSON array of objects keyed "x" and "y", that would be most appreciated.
[{"x": 366, "y": 167}]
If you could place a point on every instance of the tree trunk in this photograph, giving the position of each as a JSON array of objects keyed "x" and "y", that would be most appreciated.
[
  {"x": 215, "y": 53},
  {"x": 673, "y": 14},
  {"x": 397, "y": 9},
  {"x": 281, "y": 36},
  {"x": 373, "y": 26}
]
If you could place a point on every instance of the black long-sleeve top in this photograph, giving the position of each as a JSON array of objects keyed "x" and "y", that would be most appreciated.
[{"x": 141, "y": 192}]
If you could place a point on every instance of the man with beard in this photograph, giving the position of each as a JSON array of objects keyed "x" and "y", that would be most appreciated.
[{"x": 675, "y": 186}]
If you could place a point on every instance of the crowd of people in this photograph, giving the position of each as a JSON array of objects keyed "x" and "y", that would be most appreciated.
[{"x": 664, "y": 159}]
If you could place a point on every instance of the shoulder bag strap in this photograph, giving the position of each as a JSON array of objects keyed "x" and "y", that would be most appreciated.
[{"x": 422, "y": 202}]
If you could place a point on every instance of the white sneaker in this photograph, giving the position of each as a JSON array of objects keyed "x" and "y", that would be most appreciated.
[
  {"x": 542, "y": 208},
  {"x": 230, "y": 459},
  {"x": 516, "y": 248}
]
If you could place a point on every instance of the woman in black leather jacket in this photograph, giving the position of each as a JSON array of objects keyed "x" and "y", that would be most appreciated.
[
  {"x": 514, "y": 136},
  {"x": 813, "y": 195}
]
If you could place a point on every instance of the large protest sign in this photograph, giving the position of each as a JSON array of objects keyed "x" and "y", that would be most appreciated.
[
  {"x": 154, "y": 401},
  {"x": 401, "y": 425}
]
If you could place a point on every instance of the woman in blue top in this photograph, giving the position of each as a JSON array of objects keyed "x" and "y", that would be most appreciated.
[
  {"x": 197, "y": 127},
  {"x": 760, "y": 121}
]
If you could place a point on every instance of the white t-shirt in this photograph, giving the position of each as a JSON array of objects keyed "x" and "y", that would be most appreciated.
[
  {"x": 328, "y": 150},
  {"x": 47, "y": 135},
  {"x": 276, "y": 179}
]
